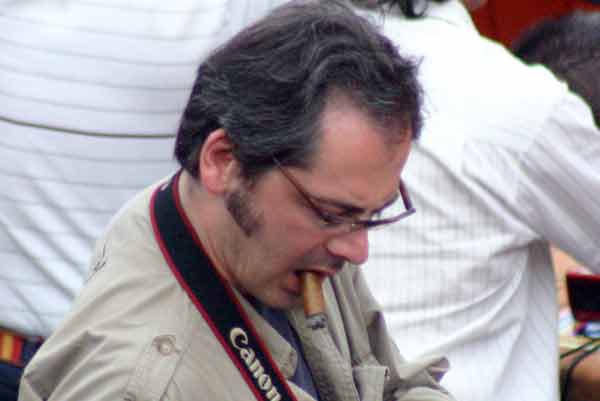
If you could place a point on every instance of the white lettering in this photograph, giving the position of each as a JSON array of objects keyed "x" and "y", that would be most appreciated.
[
  {"x": 239, "y": 339},
  {"x": 264, "y": 382},
  {"x": 273, "y": 394},
  {"x": 236, "y": 333},
  {"x": 256, "y": 368},
  {"x": 247, "y": 355}
]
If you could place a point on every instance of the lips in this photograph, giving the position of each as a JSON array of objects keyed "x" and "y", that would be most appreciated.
[
  {"x": 328, "y": 268},
  {"x": 321, "y": 271},
  {"x": 323, "y": 265}
]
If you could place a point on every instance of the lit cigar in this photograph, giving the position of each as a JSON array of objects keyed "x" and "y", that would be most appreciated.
[{"x": 314, "y": 302}]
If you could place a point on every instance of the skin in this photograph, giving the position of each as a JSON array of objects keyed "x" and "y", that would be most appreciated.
[
  {"x": 354, "y": 165},
  {"x": 585, "y": 379}
]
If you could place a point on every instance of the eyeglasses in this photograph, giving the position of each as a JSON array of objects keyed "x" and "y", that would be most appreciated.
[{"x": 335, "y": 221}]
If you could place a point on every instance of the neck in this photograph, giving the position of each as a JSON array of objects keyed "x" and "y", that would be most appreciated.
[{"x": 204, "y": 214}]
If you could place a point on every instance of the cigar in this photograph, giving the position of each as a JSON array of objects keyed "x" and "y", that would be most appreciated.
[{"x": 313, "y": 300}]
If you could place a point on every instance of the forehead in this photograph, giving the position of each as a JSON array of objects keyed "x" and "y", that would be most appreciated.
[
  {"x": 345, "y": 128},
  {"x": 354, "y": 152}
]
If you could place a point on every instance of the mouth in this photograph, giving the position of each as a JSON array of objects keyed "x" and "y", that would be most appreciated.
[
  {"x": 325, "y": 267},
  {"x": 296, "y": 286},
  {"x": 327, "y": 270},
  {"x": 323, "y": 271}
]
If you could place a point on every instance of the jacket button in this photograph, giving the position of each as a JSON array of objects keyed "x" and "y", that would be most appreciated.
[{"x": 164, "y": 345}]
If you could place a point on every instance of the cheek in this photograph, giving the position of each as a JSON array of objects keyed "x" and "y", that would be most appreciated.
[
  {"x": 290, "y": 241},
  {"x": 288, "y": 231}
]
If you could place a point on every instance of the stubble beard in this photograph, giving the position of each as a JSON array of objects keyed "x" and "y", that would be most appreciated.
[{"x": 238, "y": 205}]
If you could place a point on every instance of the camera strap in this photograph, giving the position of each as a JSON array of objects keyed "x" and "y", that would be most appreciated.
[{"x": 213, "y": 297}]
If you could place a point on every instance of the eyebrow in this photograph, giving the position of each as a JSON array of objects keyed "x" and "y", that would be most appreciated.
[{"x": 353, "y": 210}]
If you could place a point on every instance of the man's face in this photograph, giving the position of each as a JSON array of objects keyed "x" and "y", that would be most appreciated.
[{"x": 278, "y": 235}]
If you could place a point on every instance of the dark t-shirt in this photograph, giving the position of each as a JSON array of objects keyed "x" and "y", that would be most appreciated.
[{"x": 302, "y": 376}]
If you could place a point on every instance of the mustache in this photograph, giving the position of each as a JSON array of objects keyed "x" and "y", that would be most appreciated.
[{"x": 320, "y": 258}]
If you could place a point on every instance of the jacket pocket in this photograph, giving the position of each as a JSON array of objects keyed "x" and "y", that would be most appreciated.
[{"x": 154, "y": 369}]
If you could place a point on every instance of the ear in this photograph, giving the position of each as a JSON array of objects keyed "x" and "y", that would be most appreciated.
[{"x": 216, "y": 165}]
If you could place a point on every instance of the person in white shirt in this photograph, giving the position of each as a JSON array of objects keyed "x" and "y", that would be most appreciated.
[
  {"x": 91, "y": 95},
  {"x": 570, "y": 47},
  {"x": 509, "y": 162}
]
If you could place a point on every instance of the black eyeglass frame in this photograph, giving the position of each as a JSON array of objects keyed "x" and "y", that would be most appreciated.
[{"x": 332, "y": 221}]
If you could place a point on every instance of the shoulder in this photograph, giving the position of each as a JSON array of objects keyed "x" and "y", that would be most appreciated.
[
  {"x": 131, "y": 319},
  {"x": 119, "y": 337},
  {"x": 474, "y": 88}
]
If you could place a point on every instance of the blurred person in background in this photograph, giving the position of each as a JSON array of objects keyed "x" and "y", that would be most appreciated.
[
  {"x": 570, "y": 47},
  {"x": 91, "y": 94},
  {"x": 508, "y": 163}
]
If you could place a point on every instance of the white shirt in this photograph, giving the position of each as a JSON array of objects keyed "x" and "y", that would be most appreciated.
[
  {"x": 508, "y": 162},
  {"x": 91, "y": 95}
]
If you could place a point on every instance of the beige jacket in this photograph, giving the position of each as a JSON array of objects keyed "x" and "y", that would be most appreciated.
[{"x": 135, "y": 335}]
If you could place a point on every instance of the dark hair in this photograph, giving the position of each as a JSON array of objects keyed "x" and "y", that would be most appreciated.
[
  {"x": 268, "y": 86},
  {"x": 410, "y": 8},
  {"x": 570, "y": 47}
]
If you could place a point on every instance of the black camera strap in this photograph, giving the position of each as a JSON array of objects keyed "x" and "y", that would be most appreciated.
[{"x": 213, "y": 296}]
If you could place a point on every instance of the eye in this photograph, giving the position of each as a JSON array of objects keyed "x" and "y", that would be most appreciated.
[
  {"x": 331, "y": 220},
  {"x": 337, "y": 219}
]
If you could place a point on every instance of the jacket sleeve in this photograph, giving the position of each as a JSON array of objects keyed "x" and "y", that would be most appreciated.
[{"x": 560, "y": 181}]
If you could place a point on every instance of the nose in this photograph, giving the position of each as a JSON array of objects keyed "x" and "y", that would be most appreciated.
[{"x": 352, "y": 246}]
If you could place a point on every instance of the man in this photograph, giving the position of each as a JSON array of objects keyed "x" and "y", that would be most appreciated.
[
  {"x": 292, "y": 142},
  {"x": 509, "y": 162},
  {"x": 86, "y": 123}
]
